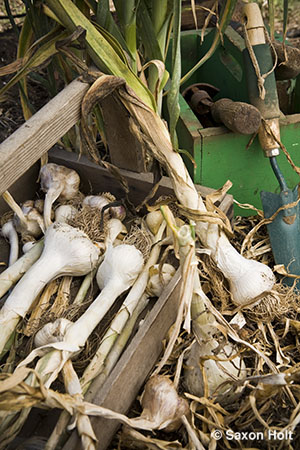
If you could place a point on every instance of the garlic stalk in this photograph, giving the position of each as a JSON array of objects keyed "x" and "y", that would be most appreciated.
[
  {"x": 207, "y": 346},
  {"x": 14, "y": 272},
  {"x": 59, "y": 328},
  {"x": 207, "y": 349},
  {"x": 8, "y": 232},
  {"x": 204, "y": 324},
  {"x": 154, "y": 287},
  {"x": 28, "y": 246},
  {"x": 157, "y": 139},
  {"x": 58, "y": 182},
  {"x": 57, "y": 438},
  {"x": 127, "y": 309},
  {"x": 67, "y": 251},
  {"x": 83, "y": 424},
  {"x": 117, "y": 272}
]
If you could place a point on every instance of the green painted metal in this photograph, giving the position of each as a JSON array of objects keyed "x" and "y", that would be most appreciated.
[{"x": 219, "y": 154}]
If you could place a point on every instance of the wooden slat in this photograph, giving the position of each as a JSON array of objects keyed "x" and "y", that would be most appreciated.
[
  {"x": 125, "y": 150},
  {"x": 36, "y": 136},
  {"x": 134, "y": 366}
]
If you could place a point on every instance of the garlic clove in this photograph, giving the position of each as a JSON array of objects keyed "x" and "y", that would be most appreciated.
[
  {"x": 115, "y": 229},
  {"x": 154, "y": 220}
]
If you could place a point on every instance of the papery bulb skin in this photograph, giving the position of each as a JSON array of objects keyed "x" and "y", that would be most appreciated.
[
  {"x": 158, "y": 281},
  {"x": 34, "y": 221},
  {"x": 154, "y": 220},
  {"x": 55, "y": 175},
  {"x": 96, "y": 201},
  {"x": 64, "y": 213},
  {"x": 118, "y": 212},
  {"x": 67, "y": 251},
  {"x": 73, "y": 248},
  {"x": 193, "y": 379},
  {"x": 162, "y": 405},
  {"x": 58, "y": 182}
]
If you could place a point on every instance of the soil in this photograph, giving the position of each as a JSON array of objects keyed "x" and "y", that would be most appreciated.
[{"x": 11, "y": 115}]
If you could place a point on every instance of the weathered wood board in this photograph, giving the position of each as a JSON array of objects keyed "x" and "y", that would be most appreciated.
[{"x": 38, "y": 134}]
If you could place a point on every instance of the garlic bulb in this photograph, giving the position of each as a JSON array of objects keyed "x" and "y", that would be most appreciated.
[
  {"x": 101, "y": 201},
  {"x": 8, "y": 232},
  {"x": 52, "y": 332},
  {"x": 58, "y": 182},
  {"x": 67, "y": 251},
  {"x": 248, "y": 279},
  {"x": 216, "y": 371},
  {"x": 64, "y": 213},
  {"x": 33, "y": 225},
  {"x": 162, "y": 406},
  {"x": 115, "y": 229},
  {"x": 157, "y": 280}
]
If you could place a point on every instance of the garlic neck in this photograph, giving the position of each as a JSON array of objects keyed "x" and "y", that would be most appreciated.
[
  {"x": 79, "y": 331},
  {"x": 52, "y": 194}
]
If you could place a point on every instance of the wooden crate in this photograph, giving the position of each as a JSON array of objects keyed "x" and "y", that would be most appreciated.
[{"x": 20, "y": 174}]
